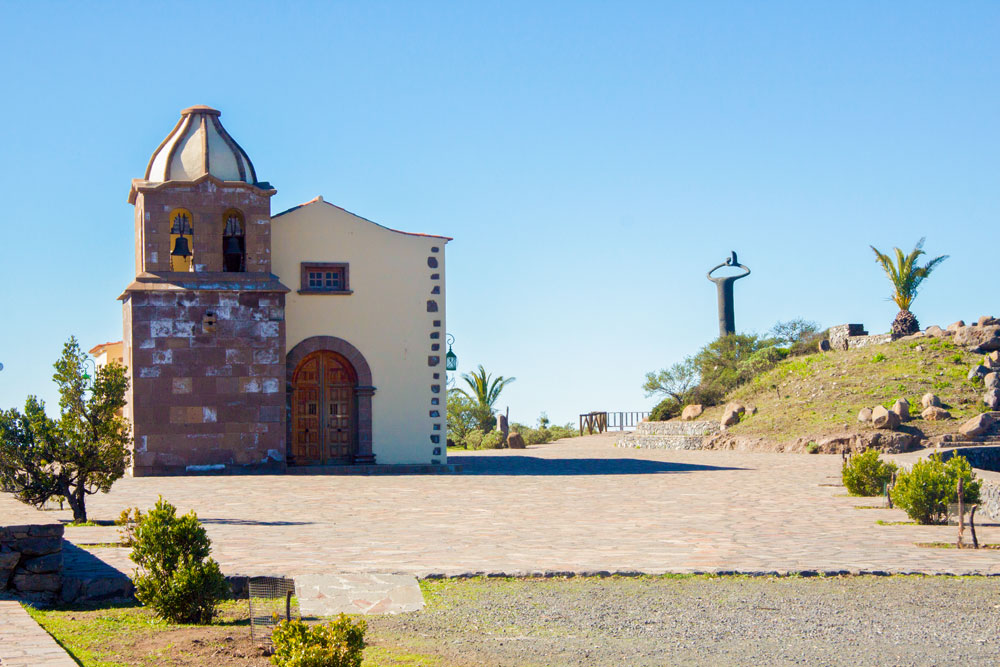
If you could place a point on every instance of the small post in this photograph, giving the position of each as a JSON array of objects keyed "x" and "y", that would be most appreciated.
[
  {"x": 288, "y": 606},
  {"x": 961, "y": 512},
  {"x": 972, "y": 527}
]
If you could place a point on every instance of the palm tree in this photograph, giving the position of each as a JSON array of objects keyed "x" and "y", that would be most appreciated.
[
  {"x": 906, "y": 276},
  {"x": 485, "y": 390}
]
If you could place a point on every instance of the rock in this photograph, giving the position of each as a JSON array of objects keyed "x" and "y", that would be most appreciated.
[
  {"x": 737, "y": 407},
  {"x": 692, "y": 411},
  {"x": 824, "y": 345},
  {"x": 934, "y": 413},
  {"x": 752, "y": 410},
  {"x": 730, "y": 418},
  {"x": 39, "y": 546},
  {"x": 992, "y": 360},
  {"x": 930, "y": 400},
  {"x": 986, "y": 321},
  {"x": 919, "y": 348},
  {"x": 902, "y": 409},
  {"x": 955, "y": 326},
  {"x": 977, "y": 372},
  {"x": 979, "y": 339},
  {"x": 992, "y": 399},
  {"x": 502, "y": 425},
  {"x": 935, "y": 331},
  {"x": 992, "y": 381},
  {"x": 865, "y": 415},
  {"x": 978, "y": 425},
  {"x": 515, "y": 441},
  {"x": 36, "y": 583},
  {"x": 47, "y": 563},
  {"x": 884, "y": 419}
]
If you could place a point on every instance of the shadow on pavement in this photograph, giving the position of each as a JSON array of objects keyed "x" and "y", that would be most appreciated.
[
  {"x": 249, "y": 522},
  {"x": 530, "y": 465}
]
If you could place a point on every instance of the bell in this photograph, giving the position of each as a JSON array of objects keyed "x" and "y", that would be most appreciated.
[
  {"x": 232, "y": 246},
  {"x": 181, "y": 248}
]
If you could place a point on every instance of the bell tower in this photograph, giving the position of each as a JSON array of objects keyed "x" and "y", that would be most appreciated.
[{"x": 204, "y": 329}]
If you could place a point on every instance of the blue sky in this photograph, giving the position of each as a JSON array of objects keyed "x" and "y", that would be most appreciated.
[{"x": 592, "y": 161}]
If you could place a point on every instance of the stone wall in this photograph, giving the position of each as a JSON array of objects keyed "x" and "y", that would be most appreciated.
[
  {"x": 31, "y": 560},
  {"x": 984, "y": 458},
  {"x": 851, "y": 336},
  {"x": 669, "y": 435}
]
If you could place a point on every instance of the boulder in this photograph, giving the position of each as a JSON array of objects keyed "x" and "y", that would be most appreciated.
[
  {"x": 955, "y": 326},
  {"x": 515, "y": 441},
  {"x": 978, "y": 425},
  {"x": 884, "y": 419},
  {"x": 692, "y": 411},
  {"x": 736, "y": 406},
  {"x": 992, "y": 381},
  {"x": 934, "y": 413},
  {"x": 992, "y": 360},
  {"x": 986, "y": 321},
  {"x": 902, "y": 409},
  {"x": 865, "y": 415},
  {"x": 979, "y": 339},
  {"x": 730, "y": 418},
  {"x": 977, "y": 372},
  {"x": 930, "y": 400},
  {"x": 992, "y": 399},
  {"x": 935, "y": 331}
]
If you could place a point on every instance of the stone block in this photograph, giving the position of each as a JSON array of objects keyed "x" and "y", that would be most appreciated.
[
  {"x": 692, "y": 411},
  {"x": 39, "y": 546},
  {"x": 42, "y": 564},
  {"x": 992, "y": 399},
  {"x": 36, "y": 583},
  {"x": 865, "y": 415},
  {"x": 884, "y": 419},
  {"x": 902, "y": 409},
  {"x": 929, "y": 400},
  {"x": 934, "y": 413},
  {"x": 976, "y": 426}
]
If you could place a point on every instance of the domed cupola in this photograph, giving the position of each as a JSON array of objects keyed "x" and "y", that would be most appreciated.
[{"x": 199, "y": 145}]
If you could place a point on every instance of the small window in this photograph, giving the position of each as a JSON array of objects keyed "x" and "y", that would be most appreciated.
[{"x": 325, "y": 278}]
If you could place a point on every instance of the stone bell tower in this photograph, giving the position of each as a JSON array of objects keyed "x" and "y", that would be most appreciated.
[{"x": 204, "y": 329}]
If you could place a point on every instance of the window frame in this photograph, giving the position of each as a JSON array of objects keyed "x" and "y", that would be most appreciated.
[{"x": 312, "y": 267}]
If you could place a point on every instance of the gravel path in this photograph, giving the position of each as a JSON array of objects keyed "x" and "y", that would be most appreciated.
[{"x": 697, "y": 620}]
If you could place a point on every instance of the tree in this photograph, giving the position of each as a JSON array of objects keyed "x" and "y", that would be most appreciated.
[
  {"x": 485, "y": 390},
  {"x": 463, "y": 416},
  {"x": 906, "y": 277},
  {"x": 84, "y": 451},
  {"x": 675, "y": 382}
]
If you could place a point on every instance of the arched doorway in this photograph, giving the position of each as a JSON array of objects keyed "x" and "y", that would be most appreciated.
[{"x": 324, "y": 410}]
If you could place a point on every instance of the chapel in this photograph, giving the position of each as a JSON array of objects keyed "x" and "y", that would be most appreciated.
[{"x": 304, "y": 341}]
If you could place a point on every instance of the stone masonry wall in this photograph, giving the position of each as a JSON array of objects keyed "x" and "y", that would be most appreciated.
[
  {"x": 31, "y": 560},
  {"x": 209, "y": 396}
]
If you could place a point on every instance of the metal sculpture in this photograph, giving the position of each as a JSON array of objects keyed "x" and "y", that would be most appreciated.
[{"x": 724, "y": 287}]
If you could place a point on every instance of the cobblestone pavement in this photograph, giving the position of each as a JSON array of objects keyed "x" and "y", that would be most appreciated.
[
  {"x": 578, "y": 505},
  {"x": 23, "y": 643}
]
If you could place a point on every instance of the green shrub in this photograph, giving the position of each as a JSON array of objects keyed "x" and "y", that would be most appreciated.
[
  {"x": 878, "y": 357},
  {"x": 492, "y": 440},
  {"x": 866, "y": 475},
  {"x": 339, "y": 643},
  {"x": 175, "y": 576},
  {"x": 926, "y": 489},
  {"x": 473, "y": 439},
  {"x": 666, "y": 409}
]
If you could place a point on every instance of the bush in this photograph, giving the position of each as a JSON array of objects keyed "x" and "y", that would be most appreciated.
[
  {"x": 866, "y": 475},
  {"x": 473, "y": 439},
  {"x": 926, "y": 489},
  {"x": 339, "y": 643},
  {"x": 492, "y": 440},
  {"x": 666, "y": 409},
  {"x": 175, "y": 576}
]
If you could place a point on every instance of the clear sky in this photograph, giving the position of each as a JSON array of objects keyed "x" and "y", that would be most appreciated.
[{"x": 591, "y": 160}]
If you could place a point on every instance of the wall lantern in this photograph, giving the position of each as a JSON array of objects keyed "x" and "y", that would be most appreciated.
[{"x": 450, "y": 359}]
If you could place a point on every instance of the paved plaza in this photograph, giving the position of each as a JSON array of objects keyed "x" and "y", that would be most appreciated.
[{"x": 579, "y": 505}]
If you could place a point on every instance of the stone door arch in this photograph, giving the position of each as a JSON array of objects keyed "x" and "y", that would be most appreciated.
[{"x": 329, "y": 403}]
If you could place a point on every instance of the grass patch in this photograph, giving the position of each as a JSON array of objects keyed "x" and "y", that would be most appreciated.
[
  {"x": 822, "y": 393},
  {"x": 951, "y": 545},
  {"x": 870, "y": 507},
  {"x": 100, "y": 545},
  {"x": 896, "y": 523}
]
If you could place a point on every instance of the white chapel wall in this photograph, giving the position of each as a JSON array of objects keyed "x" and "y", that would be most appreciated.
[{"x": 386, "y": 317}]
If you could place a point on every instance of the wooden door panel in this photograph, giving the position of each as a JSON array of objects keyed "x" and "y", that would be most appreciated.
[{"x": 323, "y": 424}]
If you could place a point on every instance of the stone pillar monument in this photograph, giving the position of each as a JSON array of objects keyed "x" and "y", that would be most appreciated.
[{"x": 724, "y": 287}]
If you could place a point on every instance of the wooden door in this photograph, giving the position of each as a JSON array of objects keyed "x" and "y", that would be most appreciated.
[{"x": 323, "y": 424}]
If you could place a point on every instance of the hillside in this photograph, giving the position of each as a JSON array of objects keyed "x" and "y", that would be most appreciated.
[{"x": 809, "y": 398}]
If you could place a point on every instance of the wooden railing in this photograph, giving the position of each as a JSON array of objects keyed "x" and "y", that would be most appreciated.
[{"x": 602, "y": 421}]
